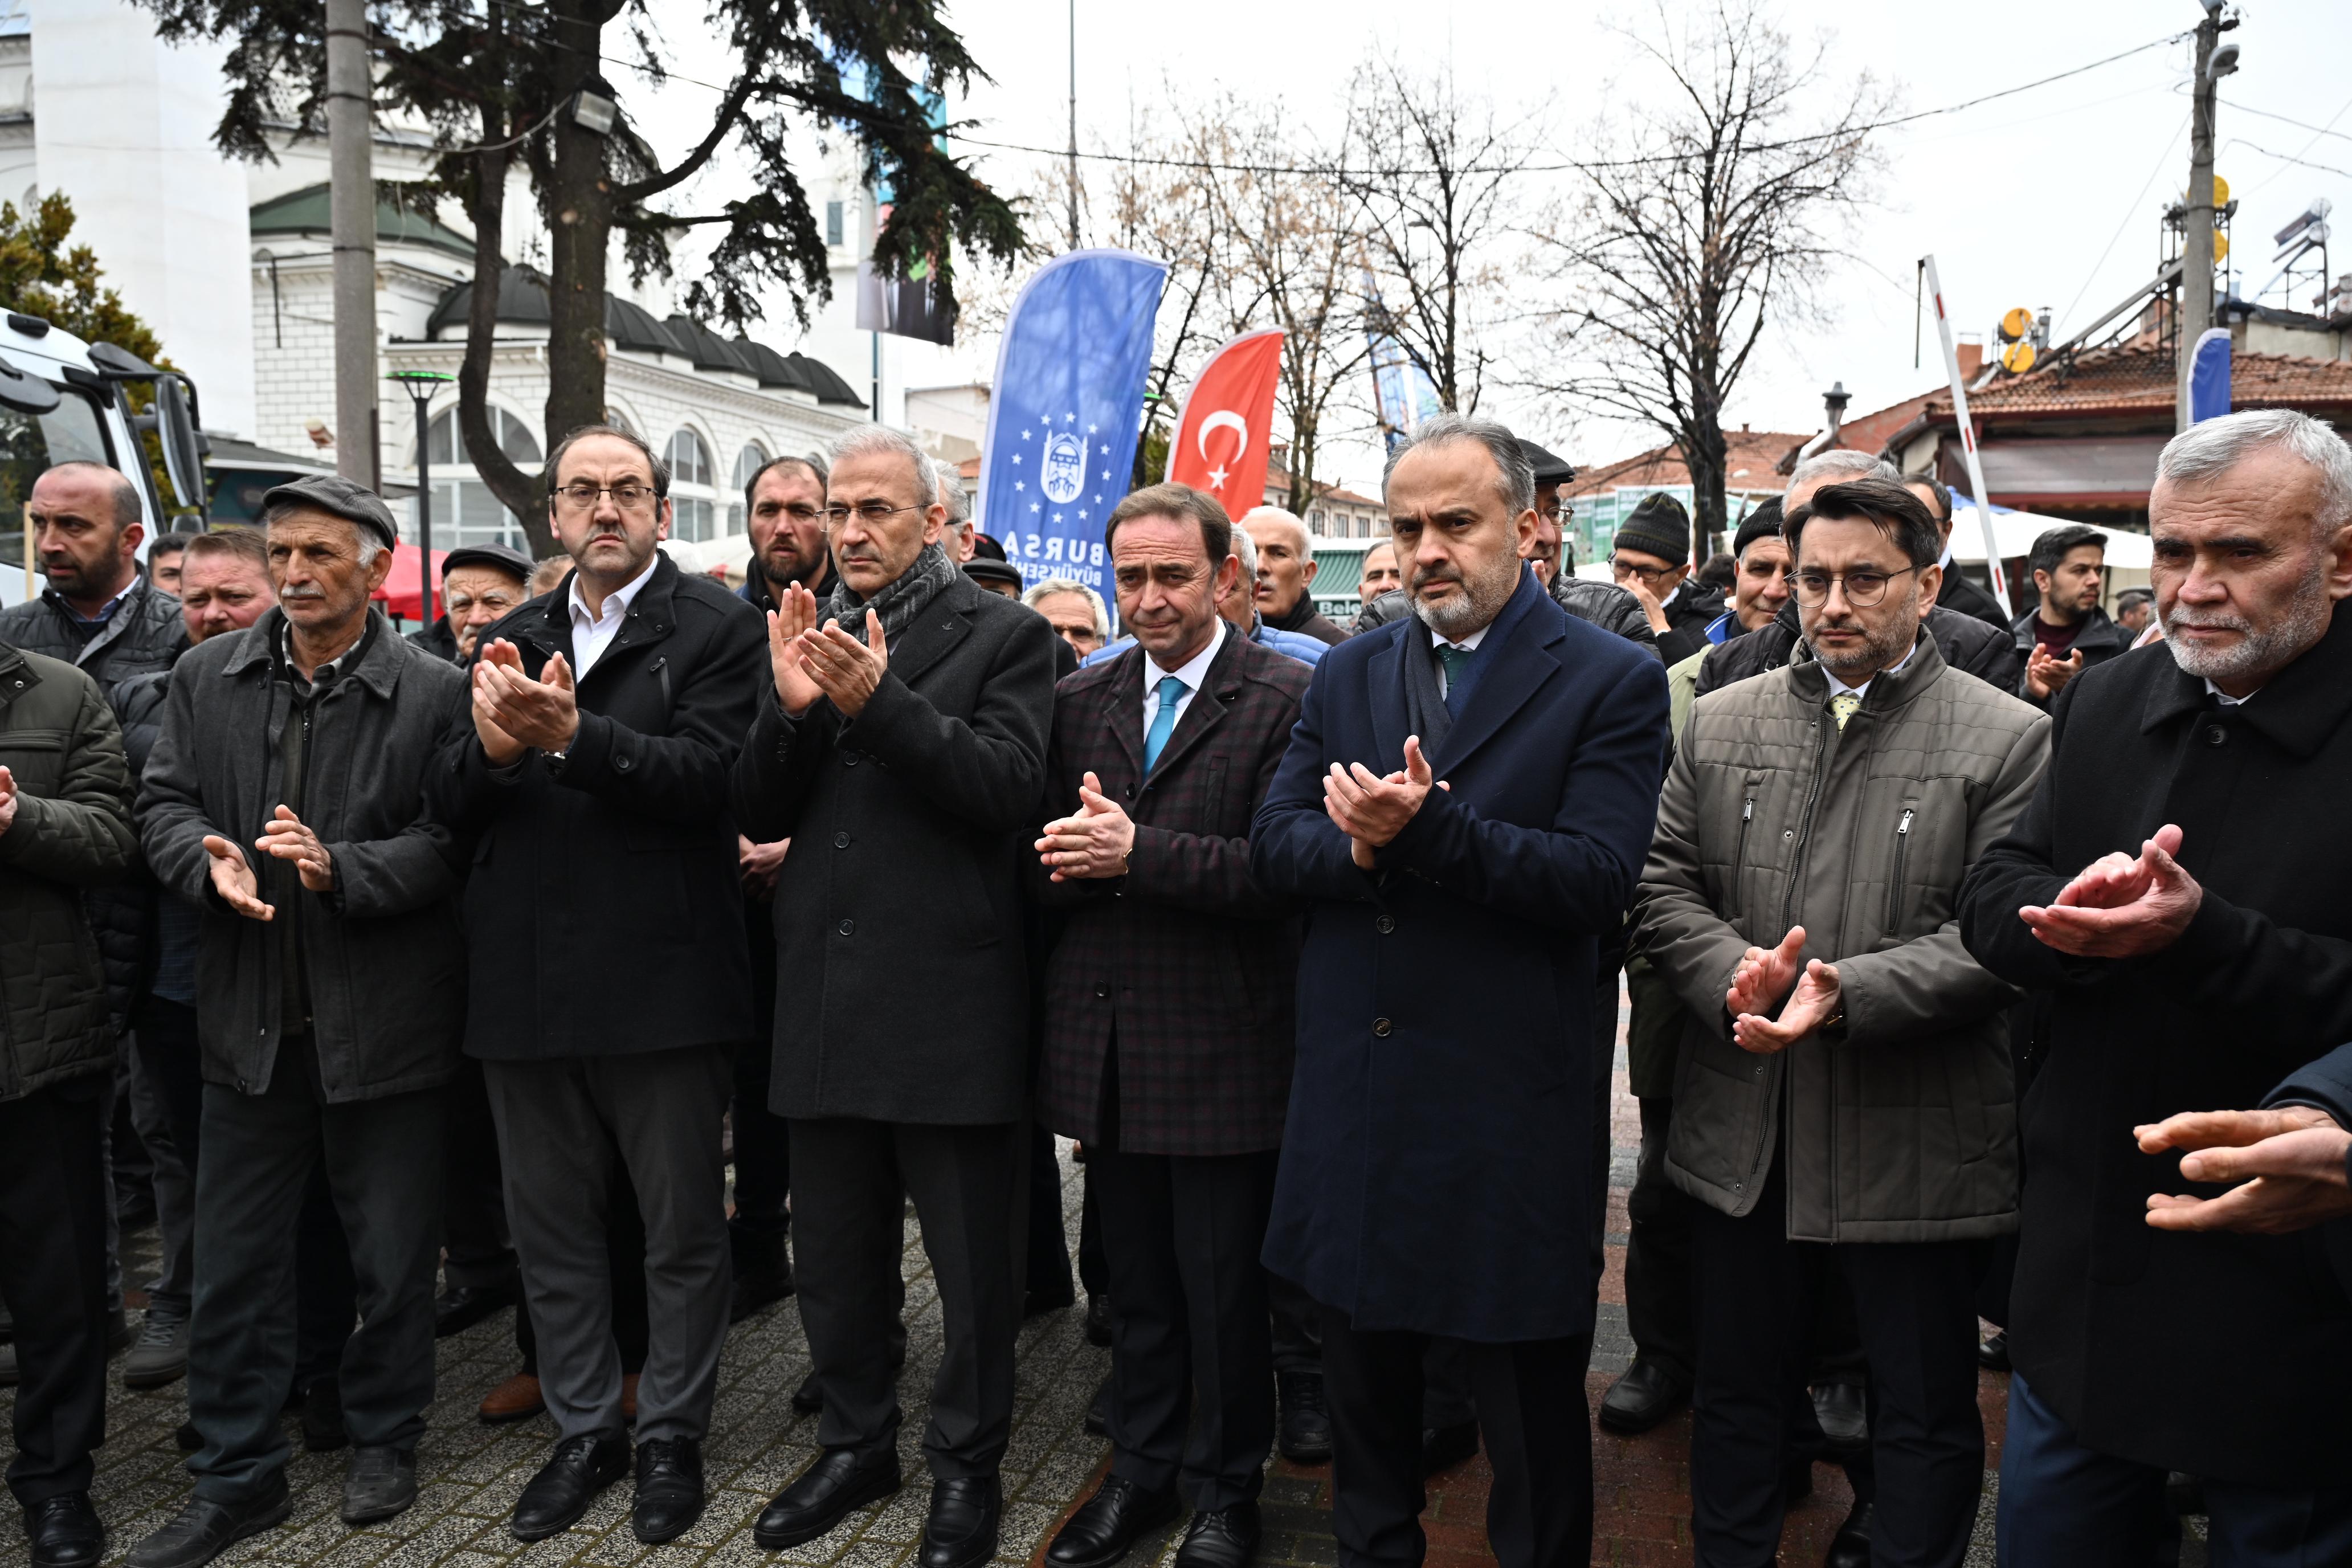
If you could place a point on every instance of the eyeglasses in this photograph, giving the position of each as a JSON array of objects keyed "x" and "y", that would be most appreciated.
[
  {"x": 1554, "y": 511},
  {"x": 869, "y": 513},
  {"x": 1625, "y": 569},
  {"x": 628, "y": 495},
  {"x": 1863, "y": 589}
]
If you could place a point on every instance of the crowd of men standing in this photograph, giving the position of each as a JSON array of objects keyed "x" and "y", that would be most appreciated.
[{"x": 1980, "y": 966}]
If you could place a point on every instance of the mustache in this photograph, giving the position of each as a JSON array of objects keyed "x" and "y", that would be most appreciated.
[
  {"x": 1422, "y": 577},
  {"x": 2208, "y": 621},
  {"x": 301, "y": 591}
]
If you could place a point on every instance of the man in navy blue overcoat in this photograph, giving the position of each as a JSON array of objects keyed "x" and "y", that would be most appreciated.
[{"x": 1464, "y": 808}]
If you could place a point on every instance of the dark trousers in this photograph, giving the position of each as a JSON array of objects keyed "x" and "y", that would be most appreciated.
[
  {"x": 2065, "y": 1506},
  {"x": 1046, "y": 1271},
  {"x": 567, "y": 1130},
  {"x": 1531, "y": 1419},
  {"x": 967, "y": 1185},
  {"x": 480, "y": 1251},
  {"x": 1094, "y": 1274},
  {"x": 1658, "y": 1255},
  {"x": 53, "y": 1279},
  {"x": 1297, "y": 1327},
  {"x": 1758, "y": 1295},
  {"x": 1189, "y": 1321},
  {"x": 326, "y": 1293},
  {"x": 625, "y": 1265},
  {"x": 383, "y": 1164},
  {"x": 763, "y": 1140}
]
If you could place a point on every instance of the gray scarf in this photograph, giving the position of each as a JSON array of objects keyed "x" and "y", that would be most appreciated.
[{"x": 898, "y": 604}]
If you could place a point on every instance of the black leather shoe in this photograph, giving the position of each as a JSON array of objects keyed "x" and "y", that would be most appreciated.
[
  {"x": 808, "y": 1398},
  {"x": 1098, "y": 1412},
  {"x": 201, "y": 1531},
  {"x": 64, "y": 1531},
  {"x": 1992, "y": 1351},
  {"x": 1443, "y": 1448},
  {"x": 759, "y": 1288},
  {"x": 828, "y": 1491},
  {"x": 1098, "y": 1320},
  {"x": 579, "y": 1468},
  {"x": 378, "y": 1484},
  {"x": 1850, "y": 1547},
  {"x": 460, "y": 1307},
  {"x": 1304, "y": 1431},
  {"x": 1108, "y": 1523},
  {"x": 669, "y": 1488},
  {"x": 1645, "y": 1396},
  {"x": 322, "y": 1416},
  {"x": 1221, "y": 1538},
  {"x": 1843, "y": 1415},
  {"x": 961, "y": 1529}
]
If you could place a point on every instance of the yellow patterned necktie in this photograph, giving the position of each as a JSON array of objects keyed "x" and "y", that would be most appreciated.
[{"x": 1842, "y": 705}]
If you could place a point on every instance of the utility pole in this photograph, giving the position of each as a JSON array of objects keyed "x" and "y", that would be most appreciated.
[
  {"x": 1073, "y": 124},
  {"x": 350, "y": 130},
  {"x": 2197, "y": 216}
]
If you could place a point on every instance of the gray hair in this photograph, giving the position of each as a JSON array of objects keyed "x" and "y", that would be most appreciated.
[
  {"x": 1841, "y": 463},
  {"x": 1245, "y": 551},
  {"x": 1514, "y": 475},
  {"x": 2205, "y": 452},
  {"x": 1053, "y": 585},
  {"x": 866, "y": 440},
  {"x": 1280, "y": 514},
  {"x": 951, "y": 492}
]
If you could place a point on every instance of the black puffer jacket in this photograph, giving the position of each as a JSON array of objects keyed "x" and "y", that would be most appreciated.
[
  {"x": 1966, "y": 643},
  {"x": 1605, "y": 605}
]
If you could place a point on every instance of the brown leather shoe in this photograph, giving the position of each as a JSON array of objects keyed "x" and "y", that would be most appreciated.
[
  {"x": 629, "y": 1396},
  {"x": 516, "y": 1399}
]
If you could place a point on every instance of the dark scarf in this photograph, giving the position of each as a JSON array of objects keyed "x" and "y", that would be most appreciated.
[
  {"x": 1300, "y": 614},
  {"x": 1424, "y": 706},
  {"x": 898, "y": 604}
]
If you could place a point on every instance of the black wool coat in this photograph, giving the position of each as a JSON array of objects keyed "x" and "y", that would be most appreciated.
[
  {"x": 899, "y": 917},
  {"x": 604, "y": 914},
  {"x": 2225, "y": 1356},
  {"x": 1186, "y": 966}
]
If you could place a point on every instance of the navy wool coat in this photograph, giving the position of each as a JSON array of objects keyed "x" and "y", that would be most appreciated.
[{"x": 1434, "y": 1163}]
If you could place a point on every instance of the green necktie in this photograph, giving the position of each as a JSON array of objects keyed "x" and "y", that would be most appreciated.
[
  {"x": 1455, "y": 660},
  {"x": 1842, "y": 705}
]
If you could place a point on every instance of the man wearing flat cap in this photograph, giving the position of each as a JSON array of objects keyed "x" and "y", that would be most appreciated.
[
  {"x": 1651, "y": 561},
  {"x": 479, "y": 584},
  {"x": 285, "y": 799}
]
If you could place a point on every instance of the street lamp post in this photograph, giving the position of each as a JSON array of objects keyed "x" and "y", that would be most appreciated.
[{"x": 420, "y": 385}]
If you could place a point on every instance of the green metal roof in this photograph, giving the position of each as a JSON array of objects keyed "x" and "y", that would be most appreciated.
[{"x": 304, "y": 211}]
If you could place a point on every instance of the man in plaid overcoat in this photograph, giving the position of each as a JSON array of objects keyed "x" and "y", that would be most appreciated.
[{"x": 1169, "y": 1023}]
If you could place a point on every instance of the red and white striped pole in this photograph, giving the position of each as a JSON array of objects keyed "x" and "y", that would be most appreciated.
[{"x": 1967, "y": 436}]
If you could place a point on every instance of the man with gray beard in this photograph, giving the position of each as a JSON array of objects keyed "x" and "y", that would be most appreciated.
[{"x": 2176, "y": 886}]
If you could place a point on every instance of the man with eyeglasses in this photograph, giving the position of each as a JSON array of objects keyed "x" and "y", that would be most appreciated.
[
  {"x": 902, "y": 746},
  {"x": 609, "y": 988},
  {"x": 1651, "y": 560},
  {"x": 1842, "y": 1104}
]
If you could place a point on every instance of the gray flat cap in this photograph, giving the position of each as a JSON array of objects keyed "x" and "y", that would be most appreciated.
[
  {"x": 498, "y": 557},
  {"x": 333, "y": 493}
]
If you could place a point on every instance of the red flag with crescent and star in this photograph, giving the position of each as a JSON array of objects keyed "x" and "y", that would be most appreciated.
[{"x": 1222, "y": 438}]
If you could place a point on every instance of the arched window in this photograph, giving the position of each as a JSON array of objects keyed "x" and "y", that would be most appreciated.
[
  {"x": 690, "y": 475},
  {"x": 749, "y": 462},
  {"x": 464, "y": 510}
]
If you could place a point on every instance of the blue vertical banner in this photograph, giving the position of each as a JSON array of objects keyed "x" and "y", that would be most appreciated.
[
  {"x": 2209, "y": 376},
  {"x": 1067, "y": 409}
]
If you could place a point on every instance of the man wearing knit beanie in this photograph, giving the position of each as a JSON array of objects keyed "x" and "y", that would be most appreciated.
[{"x": 1650, "y": 559}]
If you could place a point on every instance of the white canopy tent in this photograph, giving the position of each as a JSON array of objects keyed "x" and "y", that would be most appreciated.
[{"x": 2129, "y": 554}]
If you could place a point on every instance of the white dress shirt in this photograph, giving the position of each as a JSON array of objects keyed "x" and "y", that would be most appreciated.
[
  {"x": 1467, "y": 645},
  {"x": 1191, "y": 672},
  {"x": 2223, "y": 697},
  {"x": 593, "y": 634}
]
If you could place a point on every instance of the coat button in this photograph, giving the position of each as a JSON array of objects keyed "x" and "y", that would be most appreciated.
[
  {"x": 2216, "y": 735},
  {"x": 1101, "y": 989},
  {"x": 1385, "y": 924},
  {"x": 841, "y": 841},
  {"x": 849, "y": 928},
  {"x": 621, "y": 765},
  {"x": 1381, "y": 1026},
  {"x": 849, "y": 759}
]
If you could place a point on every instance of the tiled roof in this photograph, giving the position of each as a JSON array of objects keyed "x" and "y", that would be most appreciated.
[
  {"x": 2136, "y": 376},
  {"x": 1749, "y": 456}
]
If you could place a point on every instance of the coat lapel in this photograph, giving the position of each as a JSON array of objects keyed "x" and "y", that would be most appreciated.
[
  {"x": 945, "y": 622},
  {"x": 1385, "y": 688},
  {"x": 1522, "y": 664},
  {"x": 1219, "y": 686},
  {"x": 1123, "y": 708}
]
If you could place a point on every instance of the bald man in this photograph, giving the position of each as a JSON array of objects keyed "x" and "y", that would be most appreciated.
[{"x": 1285, "y": 574}]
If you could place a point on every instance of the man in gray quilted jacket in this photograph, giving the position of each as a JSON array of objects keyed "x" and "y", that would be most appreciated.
[{"x": 1843, "y": 1081}]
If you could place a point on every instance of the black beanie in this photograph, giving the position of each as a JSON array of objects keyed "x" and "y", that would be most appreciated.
[
  {"x": 1763, "y": 522},
  {"x": 1658, "y": 527}
]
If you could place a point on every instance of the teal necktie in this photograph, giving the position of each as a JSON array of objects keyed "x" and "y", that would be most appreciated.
[
  {"x": 1455, "y": 660},
  {"x": 1163, "y": 722}
]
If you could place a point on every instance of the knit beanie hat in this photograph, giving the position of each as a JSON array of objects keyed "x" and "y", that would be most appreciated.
[
  {"x": 1658, "y": 527},
  {"x": 1763, "y": 522}
]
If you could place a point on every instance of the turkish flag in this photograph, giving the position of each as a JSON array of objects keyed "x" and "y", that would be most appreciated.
[{"x": 1222, "y": 437}]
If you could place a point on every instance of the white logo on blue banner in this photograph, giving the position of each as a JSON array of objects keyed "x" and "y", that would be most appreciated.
[{"x": 1065, "y": 410}]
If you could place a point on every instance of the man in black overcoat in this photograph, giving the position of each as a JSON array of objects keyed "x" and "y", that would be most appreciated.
[
  {"x": 1168, "y": 1025},
  {"x": 2177, "y": 885},
  {"x": 902, "y": 749},
  {"x": 609, "y": 986}
]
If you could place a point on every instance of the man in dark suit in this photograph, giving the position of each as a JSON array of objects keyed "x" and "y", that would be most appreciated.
[
  {"x": 1434, "y": 1170},
  {"x": 609, "y": 986},
  {"x": 2176, "y": 886},
  {"x": 903, "y": 751},
  {"x": 1168, "y": 1025}
]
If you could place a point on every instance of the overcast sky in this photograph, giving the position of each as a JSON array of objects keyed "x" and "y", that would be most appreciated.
[{"x": 2050, "y": 197}]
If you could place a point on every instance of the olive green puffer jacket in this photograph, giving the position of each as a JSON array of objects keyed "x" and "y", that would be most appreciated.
[{"x": 59, "y": 742}]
